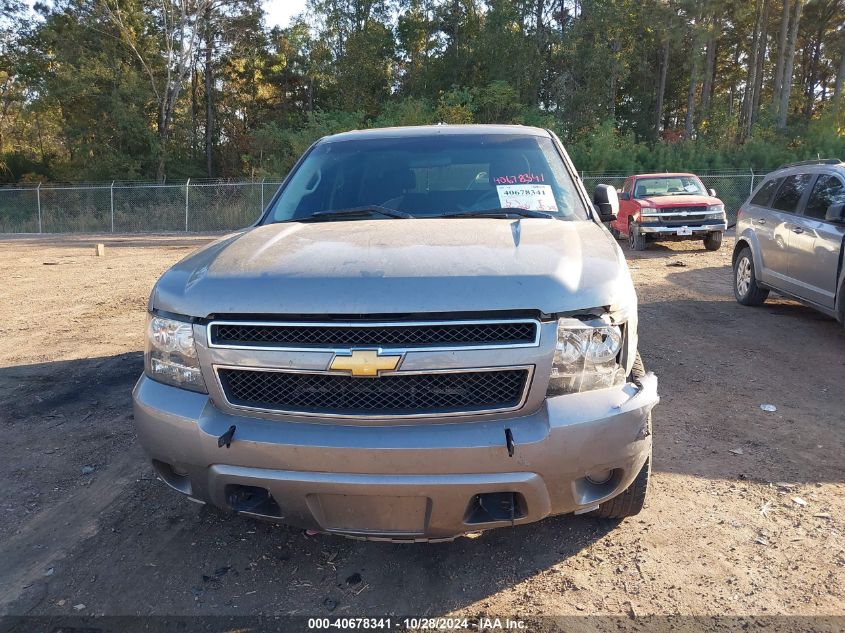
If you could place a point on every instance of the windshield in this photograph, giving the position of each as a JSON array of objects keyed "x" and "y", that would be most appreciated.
[
  {"x": 430, "y": 176},
  {"x": 669, "y": 186}
]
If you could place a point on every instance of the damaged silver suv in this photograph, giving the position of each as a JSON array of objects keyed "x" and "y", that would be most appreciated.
[{"x": 429, "y": 332}]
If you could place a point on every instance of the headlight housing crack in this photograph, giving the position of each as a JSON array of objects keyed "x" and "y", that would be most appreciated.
[{"x": 586, "y": 356}]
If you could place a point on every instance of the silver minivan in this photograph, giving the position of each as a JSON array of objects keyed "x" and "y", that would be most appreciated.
[{"x": 789, "y": 238}]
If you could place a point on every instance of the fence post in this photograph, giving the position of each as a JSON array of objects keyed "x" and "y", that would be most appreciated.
[
  {"x": 38, "y": 197},
  {"x": 187, "y": 185},
  {"x": 751, "y": 189},
  {"x": 262, "y": 195},
  {"x": 111, "y": 201}
]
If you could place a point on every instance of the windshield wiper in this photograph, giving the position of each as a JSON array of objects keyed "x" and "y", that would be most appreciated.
[
  {"x": 352, "y": 213},
  {"x": 500, "y": 212}
]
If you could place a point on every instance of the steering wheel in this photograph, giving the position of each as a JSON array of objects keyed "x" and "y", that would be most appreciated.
[{"x": 488, "y": 200}]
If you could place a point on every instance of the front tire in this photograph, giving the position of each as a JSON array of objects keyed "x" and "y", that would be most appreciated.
[
  {"x": 713, "y": 241},
  {"x": 746, "y": 290},
  {"x": 635, "y": 238}
]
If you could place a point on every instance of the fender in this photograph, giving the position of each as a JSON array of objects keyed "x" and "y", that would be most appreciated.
[
  {"x": 839, "y": 302},
  {"x": 749, "y": 238}
]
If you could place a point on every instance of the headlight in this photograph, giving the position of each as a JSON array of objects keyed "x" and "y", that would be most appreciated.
[
  {"x": 586, "y": 357},
  {"x": 715, "y": 212},
  {"x": 170, "y": 356},
  {"x": 648, "y": 214}
]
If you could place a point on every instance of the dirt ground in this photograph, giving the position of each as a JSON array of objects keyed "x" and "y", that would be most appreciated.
[{"x": 746, "y": 514}]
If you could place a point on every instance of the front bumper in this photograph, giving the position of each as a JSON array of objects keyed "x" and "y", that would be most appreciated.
[
  {"x": 672, "y": 231},
  {"x": 418, "y": 481}
]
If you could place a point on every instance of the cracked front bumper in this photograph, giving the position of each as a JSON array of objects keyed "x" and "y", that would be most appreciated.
[{"x": 410, "y": 482}]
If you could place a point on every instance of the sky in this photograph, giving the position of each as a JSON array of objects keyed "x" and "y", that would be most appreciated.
[{"x": 279, "y": 12}]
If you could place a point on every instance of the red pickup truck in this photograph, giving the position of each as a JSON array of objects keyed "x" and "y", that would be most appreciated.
[{"x": 669, "y": 206}]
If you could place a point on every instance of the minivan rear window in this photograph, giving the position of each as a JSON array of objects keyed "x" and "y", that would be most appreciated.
[
  {"x": 790, "y": 193},
  {"x": 764, "y": 194}
]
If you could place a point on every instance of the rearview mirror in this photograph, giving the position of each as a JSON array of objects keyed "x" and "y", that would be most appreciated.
[
  {"x": 624, "y": 195},
  {"x": 835, "y": 213},
  {"x": 607, "y": 202},
  {"x": 712, "y": 193}
]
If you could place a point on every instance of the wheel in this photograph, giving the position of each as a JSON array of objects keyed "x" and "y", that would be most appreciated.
[
  {"x": 631, "y": 501},
  {"x": 635, "y": 238},
  {"x": 638, "y": 368},
  {"x": 614, "y": 232},
  {"x": 746, "y": 290},
  {"x": 713, "y": 241}
]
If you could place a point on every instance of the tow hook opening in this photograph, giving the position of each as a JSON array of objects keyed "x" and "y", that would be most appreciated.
[
  {"x": 490, "y": 507},
  {"x": 252, "y": 500}
]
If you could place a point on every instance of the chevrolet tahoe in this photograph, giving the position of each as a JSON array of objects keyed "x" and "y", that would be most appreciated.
[{"x": 428, "y": 332}]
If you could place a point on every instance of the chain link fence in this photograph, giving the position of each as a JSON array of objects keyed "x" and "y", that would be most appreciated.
[
  {"x": 201, "y": 206},
  {"x": 127, "y": 207}
]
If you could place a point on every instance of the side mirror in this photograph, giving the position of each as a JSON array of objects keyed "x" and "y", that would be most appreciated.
[
  {"x": 835, "y": 213},
  {"x": 607, "y": 202},
  {"x": 712, "y": 193},
  {"x": 624, "y": 195}
]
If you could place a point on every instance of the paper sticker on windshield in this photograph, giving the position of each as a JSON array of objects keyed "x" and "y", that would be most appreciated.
[{"x": 532, "y": 197}]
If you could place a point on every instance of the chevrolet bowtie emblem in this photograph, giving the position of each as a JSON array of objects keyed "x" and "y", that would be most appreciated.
[{"x": 362, "y": 362}]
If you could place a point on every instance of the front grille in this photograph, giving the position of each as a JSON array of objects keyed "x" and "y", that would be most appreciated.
[
  {"x": 691, "y": 222},
  {"x": 327, "y": 335},
  {"x": 674, "y": 215},
  {"x": 389, "y": 395}
]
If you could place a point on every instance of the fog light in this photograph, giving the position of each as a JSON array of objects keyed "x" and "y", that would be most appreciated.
[{"x": 599, "y": 477}]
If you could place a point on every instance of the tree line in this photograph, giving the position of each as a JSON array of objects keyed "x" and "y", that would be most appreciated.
[{"x": 170, "y": 89}]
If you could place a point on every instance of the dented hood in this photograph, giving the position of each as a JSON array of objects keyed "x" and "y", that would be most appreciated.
[{"x": 399, "y": 266}]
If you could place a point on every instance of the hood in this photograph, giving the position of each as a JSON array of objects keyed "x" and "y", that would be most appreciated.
[
  {"x": 661, "y": 202},
  {"x": 400, "y": 266}
]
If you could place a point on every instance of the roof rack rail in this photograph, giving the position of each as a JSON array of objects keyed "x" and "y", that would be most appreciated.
[{"x": 817, "y": 161}]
